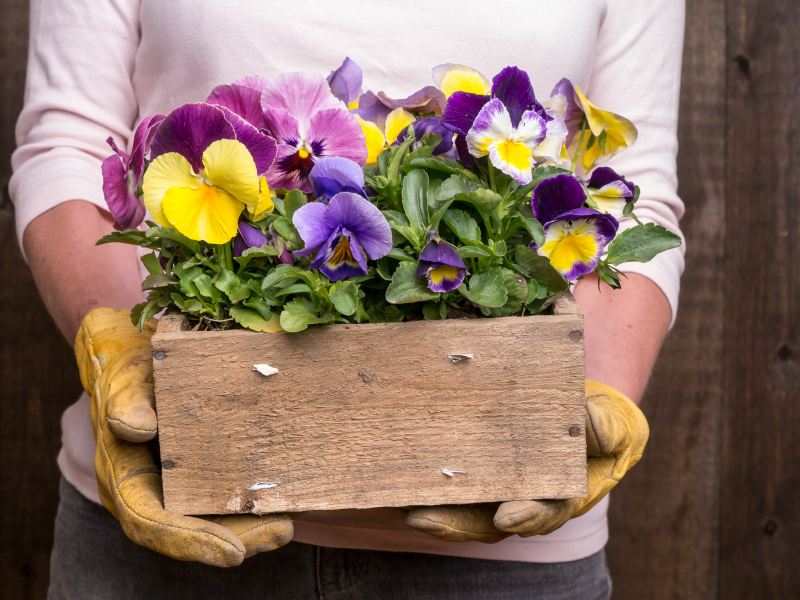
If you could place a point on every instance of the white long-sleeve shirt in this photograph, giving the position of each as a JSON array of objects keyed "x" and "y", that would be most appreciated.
[{"x": 95, "y": 69}]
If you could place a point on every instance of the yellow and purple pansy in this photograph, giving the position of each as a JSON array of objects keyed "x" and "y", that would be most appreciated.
[
  {"x": 509, "y": 126},
  {"x": 343, "y": 233},
  {"x": 452, "y": 78},
  {"x": 608, "y": 135},
  {"x": 122, "y": 175},
  {"x": 610, "y": 191},
  {"x": 575, "y": 236},
  {"x": 441, "y": 264},
  {"x": 205, "y": 169}
]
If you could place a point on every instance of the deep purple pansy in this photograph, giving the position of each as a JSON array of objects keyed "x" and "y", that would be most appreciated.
[
  {"x": 575, "y": 236},
  {"x": 122, "y": 175},
  {"x": 441, "y": 264},
  {"x": 334, "y": 174},
  {"x": 342, "y": 232},
  {"x": 430, "y": 125},
  {"x": 252, "y": 237}
]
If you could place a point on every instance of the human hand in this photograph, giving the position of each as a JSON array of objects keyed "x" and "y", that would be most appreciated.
[
  {"x": 116, "y": 368},
  {"x": 616, "y": 433}
]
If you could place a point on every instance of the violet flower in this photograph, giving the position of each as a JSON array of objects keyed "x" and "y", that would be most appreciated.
[
  {"x": 441, "y": 264},
  {"x": 430, "y": 125},
  {"x": 253, "y": 237},
  {"x": 122, "y": 175},
  {"x": 575, "y": 237},
  {"x": 345, "y": 83},
  {"x": 334, "y": 174},
  {"x": 342, "y": 232}
]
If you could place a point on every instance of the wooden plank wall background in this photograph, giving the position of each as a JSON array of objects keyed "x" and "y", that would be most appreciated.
[{"x": 712, "y": 509}]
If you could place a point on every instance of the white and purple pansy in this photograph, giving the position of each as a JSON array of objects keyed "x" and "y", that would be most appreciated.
[
  {"x": 509, "y": 126},
  {"x": 309, "y": 123},
  {"x": 122, "y": 175},
  {"x": 610, "y": 191},
  {"x": 343, "y": 233},
  {"x": 334, "y": 174},
  {"x": 252, "y": 237},
  {"x": 441, "y": 264},
  {"x": 575, "y": 236}
]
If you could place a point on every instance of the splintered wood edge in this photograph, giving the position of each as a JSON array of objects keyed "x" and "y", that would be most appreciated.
[{"x": 564, "y": 303}]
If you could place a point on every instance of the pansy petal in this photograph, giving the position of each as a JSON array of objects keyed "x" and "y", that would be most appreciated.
[
  {"x": 285, "y": 173},
  {"x": 262, "y": 147},
  {"x": 555, "y": 196},
  {"x": 120, "y": 194},
  {"x": 373, "y": 140},
  {"x": 282, "y": 126},
  {"x": 364, "y": 220},
  {"x": 345, "y": 82},
  {"x": 430, "y": 125},
  {"x": 334, "y": 174},
  {"x": 189, "y": 130},
  {"x": 492, "y": 123},
  {"x": 340, "y": 257},
  {"x": 265, "y": 202},
  {"x": 257, "y": 82},
  {"x": 310, "y": 222},
  {"x": 165, "y": 172},
  {"x": 301, "y": 95},
  {"x": 252, "y": 236},
  {"x": 203, "y": 213},
  {"x": 575, "y": 241},
  {"x": 336, "y": 132},
  {"x": 573, "y": 111},
  {"x": 230, "y": 166},
  {"x": 461, "y": 110},
  {"x": 603, "y": 176},
  {"x": 239, "y": 246},
  {"x": 550, "y": 148},
  {"x": 371, "y": 109},
  {"x": 396, "y": 122},
  {"x": 513, "y": 88},
  {"x": 241, "y": 100},
  {"x": 451, "y": 78},
  {"x": 427, "y": 100},
  {"x": 142, "y": 140},
  {"x": 463, "y": 151},
  {"x": 442, "y": 253},
  {"x": 512, "y": 158},
  {"x": 444, "y": 278}
]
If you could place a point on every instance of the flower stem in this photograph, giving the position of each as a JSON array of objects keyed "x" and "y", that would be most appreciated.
[
  {"x": 580, "y": 145},
  {"x": 491, "y": 177}
]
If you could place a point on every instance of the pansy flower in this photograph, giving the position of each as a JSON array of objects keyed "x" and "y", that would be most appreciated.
[
  {"x": 381, "y": 130},
  {"x": 608, "y": 135},
  {"x": 122, "y": 175},
  {"x": 610, "y": 191},
  {"x": 452, "y": 78},
  {"x": 510, "y": 126},
  {"x": 343, "y": 233},
  {"x": 430, "y": 125},
  {"x": 575, "y": 237},
  {"x": 308, "y": 122},
  {"x": 253, "y": 237},
  {"x": 345, "y": 83},
  {"x": 334, "y": 174},
  {"x": 441, "y": 264},
  {"x": 204, "y": 171}
]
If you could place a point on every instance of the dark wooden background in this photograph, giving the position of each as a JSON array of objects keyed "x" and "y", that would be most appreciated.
[{"x": 713, "y": 510}]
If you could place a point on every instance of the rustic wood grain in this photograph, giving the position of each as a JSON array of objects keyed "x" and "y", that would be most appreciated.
[
  {"x": 760, "y": 542},
  {"x": 664, "y": 516},
  {"x": 363, "y": 416}
]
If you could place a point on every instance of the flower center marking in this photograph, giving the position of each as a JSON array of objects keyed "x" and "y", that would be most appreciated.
[{"x": 342, "y": 254}]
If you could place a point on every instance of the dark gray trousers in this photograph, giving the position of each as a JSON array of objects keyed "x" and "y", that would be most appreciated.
[{"x": 92, "y": 559}]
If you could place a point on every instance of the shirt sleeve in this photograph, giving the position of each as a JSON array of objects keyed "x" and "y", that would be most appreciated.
[
  {"x": 78, "y": 92},
  {"x": 636, "y": 73}
]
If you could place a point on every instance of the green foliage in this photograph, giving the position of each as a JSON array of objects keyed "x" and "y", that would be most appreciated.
[
  {"x": 405, "y": 286},
  {"x": 641, "y": 244}
]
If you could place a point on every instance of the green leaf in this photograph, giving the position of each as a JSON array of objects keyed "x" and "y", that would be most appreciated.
[
  {"x": 498, "y": 249},
  {"x": 396, "y": 156},
  {"x": 540, "y": 269},
  {"x": 278, "y": 202},
  {"x": 445, "y": 165},
  {"x": 129, "y": 236},
  {"x": 206, "y": 287},
  {"x": 472, "y": 252},
  {"x": 641, "y": 244},
  {"x": 432, "y": 311},
  {"x": 398, "y": 254},
  {"x": 602, "y": 140},
  {"x": 298, "y": 314},
  {"x": 540, "y": 175},
  {"x": 383, "y": 161},
  {"x": 483, "y": 200},
  {"x": 289, "y": 233},
  {"x": 405, "y": 286},
  {"x": 261, "y": 306},
  {"x": 152, "y": 264},
  {"x": 157, "y": 280},
  {"x": 344, "y": 295},
  {"x": 609, "y": 275},
  {"x": 517, "y": 287},
  {"x": 464, "y": 226},
  {"x": 415, "y": 198},
  {"x": 454, "y": 185},
  {"x": 252, "y": 319},
  {"x": 294, "y": 200},
  {"x": 226, "y": 281},
  {"x": 382, "y": 268},
  {"x": 534, "y": 229},
  {"x": 399, "y": 223},
  {"x": 169, "y": 233},
  {"x": 295, "y": 288},
  {"x": 486, "y": 289},
  {"x": 533, "y": 291}
]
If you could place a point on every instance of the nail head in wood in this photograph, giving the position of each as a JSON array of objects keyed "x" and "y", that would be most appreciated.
[
  {"x": 574, "y": 431},
  {"x": 167, "y": 464},
  {"x": 575, "y": 336},
  {"x": 159, "y": 355}
]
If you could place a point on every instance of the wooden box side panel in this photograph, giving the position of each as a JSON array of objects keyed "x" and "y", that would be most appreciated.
[{"x": 363, "y": 416}]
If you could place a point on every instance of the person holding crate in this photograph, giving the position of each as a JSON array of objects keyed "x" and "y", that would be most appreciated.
[{"x": 96, "y": 69}]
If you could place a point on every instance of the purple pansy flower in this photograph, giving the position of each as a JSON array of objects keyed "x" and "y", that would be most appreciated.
[
  {"x": 441, "y": 264},
  {"x": 610, "y": 191},
  {"x": 308, "y": 122},
  {"x": 376, "y": 107},
  {"x": 575, "y": 237},
  {"x": 253, "y": 237},
  {"x": 430, "y": 125},
  {"x": 341, "y": 232},
  {"x": 334, "y": 174},
  {"x": 345, "y": 83},
  {"x": 122, "y": 175}
]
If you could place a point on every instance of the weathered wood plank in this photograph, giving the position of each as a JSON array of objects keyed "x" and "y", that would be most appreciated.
[
  {"x": 760, "y": 542},
  {"x": 664, "y": 516},
  {"x": 364, "y": 416}
]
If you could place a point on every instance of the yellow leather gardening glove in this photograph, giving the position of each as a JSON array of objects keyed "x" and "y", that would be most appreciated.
[
  {"x": 115, "y": 362},
  {"x": 616, "y": 433}
]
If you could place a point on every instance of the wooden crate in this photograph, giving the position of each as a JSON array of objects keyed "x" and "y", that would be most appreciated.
[{"x": 374, "y": 415}]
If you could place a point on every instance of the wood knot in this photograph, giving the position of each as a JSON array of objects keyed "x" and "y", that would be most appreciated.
[
  {"x": 249, "y": 506},
  {"x": 366, "y": 375},
  {"x": 167, "y": 464}
]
